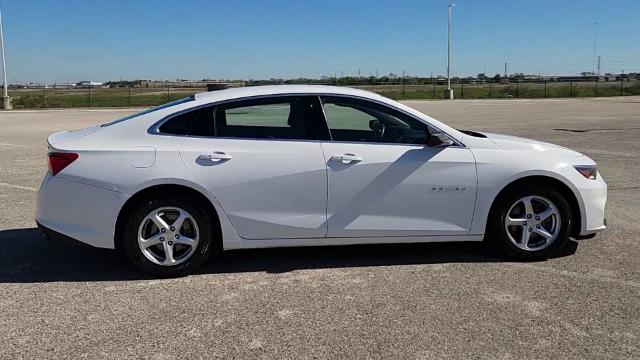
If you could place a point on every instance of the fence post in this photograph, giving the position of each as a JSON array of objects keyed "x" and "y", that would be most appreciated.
[
  {"x": 621, "y": 88},
  {"x": 403, "y": 83},
  {"x": 596, "y": 88},
  {"x": 461, "y": 90},
  {"x": 129, "y": 94},
  {"x": 44, "y": 93},
  {"x": 545, "y": 88},
  {"x": 167, "y": 84},
  {"x": 517, "y": 88},
  {"x": 434, "y": 89},
  {"x": 490, "y": 89},
  {"x": 89, "y": 95},
  {"x": 571, "y": 87}
]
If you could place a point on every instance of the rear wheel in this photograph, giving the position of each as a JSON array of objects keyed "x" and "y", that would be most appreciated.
[
  {"x": 168, "y": 237},
  {"x": 530, "y": 223}
]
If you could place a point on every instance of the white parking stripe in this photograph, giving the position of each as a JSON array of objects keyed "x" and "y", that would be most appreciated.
[
  {"x": 18, "y": 186},
  {"x": 10, "y": 144}
]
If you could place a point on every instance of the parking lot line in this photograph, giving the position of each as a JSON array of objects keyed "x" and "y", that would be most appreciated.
[{"x": 18, "y": 186}]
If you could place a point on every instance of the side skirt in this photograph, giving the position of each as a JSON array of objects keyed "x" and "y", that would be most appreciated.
[{"x": 271, "y": 243}]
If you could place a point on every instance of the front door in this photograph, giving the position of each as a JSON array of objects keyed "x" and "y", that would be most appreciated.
[
  {"x": 265, "y": 166},
  {"x": 384, "y": 180}
]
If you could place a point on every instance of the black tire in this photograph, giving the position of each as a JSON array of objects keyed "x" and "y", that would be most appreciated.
[
  {"x": 497, "y": 234},
  {"x": 198, "y": 258}
]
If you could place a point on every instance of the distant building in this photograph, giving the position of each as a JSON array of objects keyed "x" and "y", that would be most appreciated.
[
  {"x": 89, "y": 84},
  {"x": 189, "y": 83}
]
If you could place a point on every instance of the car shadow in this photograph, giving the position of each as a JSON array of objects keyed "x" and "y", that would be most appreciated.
[{"x": 28, "y": 257}]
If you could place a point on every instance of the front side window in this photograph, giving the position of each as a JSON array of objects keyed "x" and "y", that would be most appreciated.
[
  {"x": 356, "y": 120},
  {"x": 284, "y": 117}
]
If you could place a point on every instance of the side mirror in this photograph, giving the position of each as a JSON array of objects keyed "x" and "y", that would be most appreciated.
[{"x": 439, "y": 139}]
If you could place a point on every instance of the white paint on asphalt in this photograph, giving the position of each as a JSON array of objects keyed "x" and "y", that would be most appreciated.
[
  {"x": 18, "y": 186},
  {"x": 10, "y": 144}
]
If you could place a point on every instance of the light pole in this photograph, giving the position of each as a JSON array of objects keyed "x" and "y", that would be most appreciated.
[
  {"x": 6, "y": 100},
  {"x": 595, "y": 43},
  {"x": 449, "y": 94}
]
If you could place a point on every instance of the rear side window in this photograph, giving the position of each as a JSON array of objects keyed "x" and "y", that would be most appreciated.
[
  {"x": 273, "y": 115},
  {"x": 283, "y": 117}
]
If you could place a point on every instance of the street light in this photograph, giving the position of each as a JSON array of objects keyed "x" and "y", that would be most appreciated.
[
  {"x": 5, "y": 94},
  {"x": 449, "y": 94}
]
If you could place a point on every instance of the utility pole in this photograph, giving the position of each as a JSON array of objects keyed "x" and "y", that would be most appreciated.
[
  {"x": 6, "y": 100},
  {"x": 449, "y": 94}
]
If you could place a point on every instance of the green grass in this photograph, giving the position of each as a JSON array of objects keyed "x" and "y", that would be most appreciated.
[
  {"x": 145, "y": 97},
  {"x": 65, "y": 98}
]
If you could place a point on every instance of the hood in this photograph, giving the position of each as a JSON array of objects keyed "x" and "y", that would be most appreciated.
[
  {"x": 516, "y": 143},
  {"x": 63, "y": 136}
]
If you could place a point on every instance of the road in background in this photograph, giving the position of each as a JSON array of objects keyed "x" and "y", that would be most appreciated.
[{"x": 391, "y": 301}]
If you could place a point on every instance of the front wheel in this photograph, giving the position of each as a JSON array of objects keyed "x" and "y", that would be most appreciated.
[
  {"x": 168, "y": 237},
  {"x": 530, "y": 223}
]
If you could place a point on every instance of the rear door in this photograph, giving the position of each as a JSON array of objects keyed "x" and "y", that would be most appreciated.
[
  {"x": 265, "y": 165},
  {"x": 385, "y": 181}
]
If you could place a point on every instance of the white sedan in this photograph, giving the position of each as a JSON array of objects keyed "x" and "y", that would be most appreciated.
[{"x": 275, "y": 166}]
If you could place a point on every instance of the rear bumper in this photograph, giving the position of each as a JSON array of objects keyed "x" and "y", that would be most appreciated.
[
  {"x": 78, "y": 211},
  {"x": 56, "y": 236}
]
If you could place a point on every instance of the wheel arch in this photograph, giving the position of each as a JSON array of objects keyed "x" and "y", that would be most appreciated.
[
  {"x": 559, "y": 185},
  {"x": 162, "y": 189}
]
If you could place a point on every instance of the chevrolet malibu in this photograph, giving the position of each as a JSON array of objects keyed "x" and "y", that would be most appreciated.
[{"x": 276, "y": 166}]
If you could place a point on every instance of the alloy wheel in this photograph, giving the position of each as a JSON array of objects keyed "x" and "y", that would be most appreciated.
[
  {"x": 168, "y": 236},
  {"x": 532, "y": 223}
]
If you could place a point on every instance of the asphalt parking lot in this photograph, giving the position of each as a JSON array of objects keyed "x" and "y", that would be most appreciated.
[{"x": 393, "y": 301}]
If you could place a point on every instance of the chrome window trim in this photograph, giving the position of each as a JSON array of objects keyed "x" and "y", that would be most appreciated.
[{"x": 154, "y": 129}]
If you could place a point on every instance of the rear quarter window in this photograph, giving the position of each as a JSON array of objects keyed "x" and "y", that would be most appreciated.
[{"x": 180, "y": 124}]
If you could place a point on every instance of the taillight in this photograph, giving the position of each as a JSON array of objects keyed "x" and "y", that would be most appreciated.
[{"x": 59, "y": 161}]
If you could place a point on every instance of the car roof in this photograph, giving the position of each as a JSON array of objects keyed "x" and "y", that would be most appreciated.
[{"x": 249, "y": 91}]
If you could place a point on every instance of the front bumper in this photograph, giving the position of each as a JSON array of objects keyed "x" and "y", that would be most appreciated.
[{"x": 593, "y": 199}]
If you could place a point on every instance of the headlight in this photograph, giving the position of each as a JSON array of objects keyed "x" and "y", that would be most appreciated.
[{"x": 588, "y": 171}]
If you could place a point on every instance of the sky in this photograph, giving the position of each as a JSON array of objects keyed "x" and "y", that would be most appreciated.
[{"x": 72, "y": 40}]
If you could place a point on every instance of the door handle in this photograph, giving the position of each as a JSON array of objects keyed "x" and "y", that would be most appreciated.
[
  {"x": 218, "y": 155},
  {"x": 346, "y": 158}
]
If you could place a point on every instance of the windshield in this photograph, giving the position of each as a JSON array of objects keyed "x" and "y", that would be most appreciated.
[{"x": 163, "y": 106}]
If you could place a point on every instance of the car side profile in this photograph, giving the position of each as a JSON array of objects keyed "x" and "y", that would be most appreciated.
[{"x": 275, "y": 166}]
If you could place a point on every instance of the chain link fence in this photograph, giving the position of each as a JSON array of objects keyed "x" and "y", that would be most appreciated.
[{"x": 132, "y": 96}]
